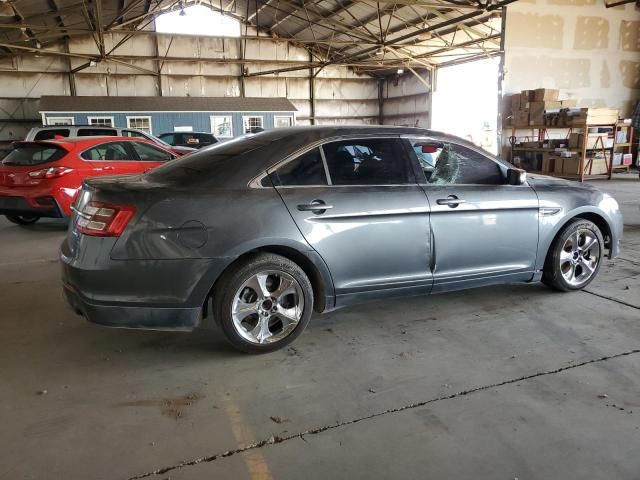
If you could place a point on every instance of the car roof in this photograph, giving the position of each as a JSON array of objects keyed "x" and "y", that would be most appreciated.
[
  {"x": 94, "y": 138},
  {"x": 186, "y": 133},
  {"x": 70, "y": 142},
  {"x": 83, "y": 125}
]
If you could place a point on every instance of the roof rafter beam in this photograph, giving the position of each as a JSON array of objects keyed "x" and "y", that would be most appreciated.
[
  {"x": 333, "y": 26},
  {"x": 468, "y": 20}
]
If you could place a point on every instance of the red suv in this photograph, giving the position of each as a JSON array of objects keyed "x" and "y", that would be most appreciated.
[{"x": 40, "y": 179}]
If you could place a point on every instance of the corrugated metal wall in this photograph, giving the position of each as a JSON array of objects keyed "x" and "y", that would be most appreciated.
[
  {"x": 190, "y": 66},
  {"x": 406, "y": 100}
]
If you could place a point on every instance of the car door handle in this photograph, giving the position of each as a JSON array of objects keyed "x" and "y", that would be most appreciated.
[
  {"x": 451, "y": 201},
  {"x": 107, "y": 168},
  {"x": 316, "y": 206}
]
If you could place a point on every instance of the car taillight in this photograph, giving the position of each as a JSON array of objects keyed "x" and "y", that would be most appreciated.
[
  {"x": 53, "y": 172},
  {"x": 104, "y": 220}
]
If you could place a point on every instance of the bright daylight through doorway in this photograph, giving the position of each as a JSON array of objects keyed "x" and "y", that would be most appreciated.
[{"x": 465, "y": 101}]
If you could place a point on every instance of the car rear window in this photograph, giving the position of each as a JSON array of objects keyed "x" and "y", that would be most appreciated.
[
  {"x": 205, "y": 161},
  {"x": 33, "y": 155},
  {"x": 92, "y": 132},
  {"x": 51, "y": 133}
]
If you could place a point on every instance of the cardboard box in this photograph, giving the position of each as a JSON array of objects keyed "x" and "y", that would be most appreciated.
[
  {"x": 599, "y": 166},
  {"x": 515, "y": 102},
  {"x": 542, "y": 94},
  {"x": 594, "y": 116},
  {"x": 521, "y": 118},
  {"x": 537, "y": 111},
  {"x": 571, "y": 166},
  {"x": 558, "y": 165},
  {"x": 568, "y": 103},
  {"x": 527, "y": 96},
  {"x": 545, "y": 163},
  {"x": 575, "y": 140}
]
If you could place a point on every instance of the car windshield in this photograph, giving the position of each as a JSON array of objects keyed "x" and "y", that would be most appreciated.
[{"x": 33, "y": 155}]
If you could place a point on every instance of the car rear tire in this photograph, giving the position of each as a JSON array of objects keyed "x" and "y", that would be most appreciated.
[
  {"x": 575, "y": 256},
  {"x": 263, "y": 303},
  {"x": 23, "y": 219}
]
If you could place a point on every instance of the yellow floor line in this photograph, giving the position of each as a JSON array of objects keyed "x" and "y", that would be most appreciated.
[{"x": 255, "y": 461}]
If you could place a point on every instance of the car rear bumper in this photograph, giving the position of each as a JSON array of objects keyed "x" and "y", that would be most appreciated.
[
  {"x": 19, "y": 205},
  {"x": 144, "y": 317},
  {"x": 146, "y": 294}
]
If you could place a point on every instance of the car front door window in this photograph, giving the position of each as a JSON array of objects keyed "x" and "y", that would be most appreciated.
[
  {"x": 149, "y": 153},
  {"x": 447, "y": 163}
]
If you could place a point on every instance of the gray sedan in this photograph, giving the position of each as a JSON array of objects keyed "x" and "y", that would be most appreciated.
[{"x": 260, "y": 231}]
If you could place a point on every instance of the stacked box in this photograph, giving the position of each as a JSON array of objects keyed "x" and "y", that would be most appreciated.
[
  {"x": 545, "y": 94},
  {"x": 593, "y": 116},
  {"x": 537, "y": 111},
  {"x": 571, "y": 166},
  {"x": 575, "y": 140}
]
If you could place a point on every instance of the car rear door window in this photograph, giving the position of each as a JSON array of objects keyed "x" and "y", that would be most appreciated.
[
  {"x": 51, "y": 133},
  {"x": 33, "y": 155},
  {"x": 375, "y": 161},
  {"x": 112, "y": 151},
  {"x": 149, "y": 153},
  {"x": 307, "y": 169},
  {"x": 92, "y": 132}
]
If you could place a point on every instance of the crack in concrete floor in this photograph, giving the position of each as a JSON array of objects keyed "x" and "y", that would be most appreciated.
[
  {"x": 613, "y": 299},
  {"x": 314, "y": 431}
]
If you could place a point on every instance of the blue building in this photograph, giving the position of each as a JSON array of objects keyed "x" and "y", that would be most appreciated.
[{"x": 225, "y": 117}]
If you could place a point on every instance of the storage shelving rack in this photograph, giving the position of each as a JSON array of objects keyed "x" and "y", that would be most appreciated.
[
  {"x": 624, "y": 146},
  {"x": 585, "y": 168}
]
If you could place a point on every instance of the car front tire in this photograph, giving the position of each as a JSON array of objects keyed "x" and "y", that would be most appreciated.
[
  {"x": 263, "y": 303},
  {"x": 575, "y": 256},
  {"x": 23, "y": 219}
]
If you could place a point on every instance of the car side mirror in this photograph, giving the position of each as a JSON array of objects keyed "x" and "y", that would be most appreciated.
[{"x": 516, "y": 176}]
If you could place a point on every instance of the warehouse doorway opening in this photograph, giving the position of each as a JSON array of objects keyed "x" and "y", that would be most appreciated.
[
  {"x": 465, "y": 101},
  {"x": 198, "y": 20}
]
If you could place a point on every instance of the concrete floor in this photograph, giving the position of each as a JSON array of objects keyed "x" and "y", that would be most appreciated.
[{"x": 496, "y": 383}]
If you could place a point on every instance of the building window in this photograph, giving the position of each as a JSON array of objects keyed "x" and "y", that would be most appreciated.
[
  {"x": 280, "y": 122},
  {"x": 101, "y": 121},
  {"x": 198, "y": 20},
  {"x": 140, "y": 123},
  {"x": 60, "y": 121},
  {"x": 221, "y": 126},
  {"x": 252, "y": 124}
]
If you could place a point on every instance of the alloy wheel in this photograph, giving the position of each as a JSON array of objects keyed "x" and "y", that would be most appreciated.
[
  {"x": 267, "y": 307},
  {"x": 579, "y": 257}
]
